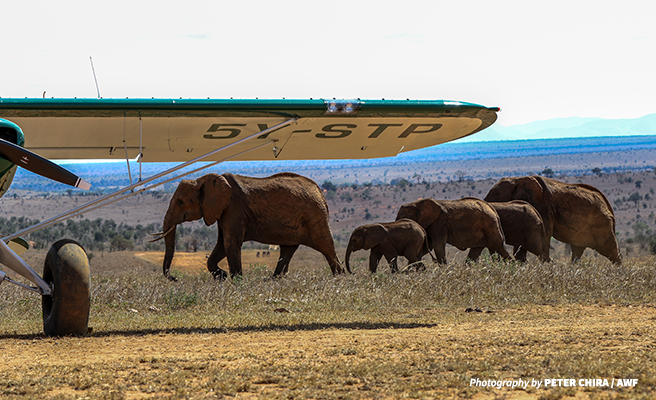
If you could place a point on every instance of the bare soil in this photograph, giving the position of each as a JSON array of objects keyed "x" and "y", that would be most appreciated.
[{"x": 436, "y": 361}]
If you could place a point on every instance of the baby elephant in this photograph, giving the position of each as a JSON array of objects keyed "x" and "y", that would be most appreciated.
[{"x": 404, "y": 237}]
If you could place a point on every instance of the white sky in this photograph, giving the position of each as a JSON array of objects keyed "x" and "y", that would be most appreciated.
[{"x": 535, "y": 60}]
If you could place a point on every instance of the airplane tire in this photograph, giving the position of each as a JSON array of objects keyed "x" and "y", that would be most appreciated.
[{"x": 66, "y": 311}]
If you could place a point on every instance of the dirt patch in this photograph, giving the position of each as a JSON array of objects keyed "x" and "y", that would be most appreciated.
[
  {"x": 328, "y": 362},
  {"x": 194, "y": 263}
]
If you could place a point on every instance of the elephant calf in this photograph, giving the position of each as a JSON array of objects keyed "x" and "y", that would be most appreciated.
[
  {"x": 390, "y": 239},
  {"x": 465, "y": 223},
  {"x": 522, "y": 228}
]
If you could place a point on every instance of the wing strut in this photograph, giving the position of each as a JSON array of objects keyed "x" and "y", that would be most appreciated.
[
  {"x": 127, "y": 160},
  {"x": 140, "y": 155}
]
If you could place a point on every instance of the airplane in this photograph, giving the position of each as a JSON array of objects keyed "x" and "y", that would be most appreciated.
[{"x": 36, "y": 130}]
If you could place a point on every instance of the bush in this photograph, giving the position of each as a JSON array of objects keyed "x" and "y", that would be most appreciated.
[{"x": 120, "y": 243}]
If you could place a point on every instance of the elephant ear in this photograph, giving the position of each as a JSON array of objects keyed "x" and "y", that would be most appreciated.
[
  {"x": 529, "y": 190},
  {"x": 429, "y": 212},
  {"x": 501, "y": 191},
  {"x": 215, "y": 194},
  {"x": 374, "y": 235}
]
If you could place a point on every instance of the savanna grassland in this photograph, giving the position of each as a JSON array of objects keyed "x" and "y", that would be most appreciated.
[{"x": 360, "y": 336}]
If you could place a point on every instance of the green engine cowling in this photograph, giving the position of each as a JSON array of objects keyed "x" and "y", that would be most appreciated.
[{"x": 14, "y": 134}]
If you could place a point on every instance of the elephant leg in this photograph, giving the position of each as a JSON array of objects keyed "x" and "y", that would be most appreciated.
[
  {"x": 215, "y": 258},
  {"x": 416, "y": 261},
  {"x": 414, "y": 253},
  {"x": 440, "y": 254},
  {"x": 374, "y": 259},
  {"x": 577, "y": 252},
  {"x": 610, "y": 250},
  {"x": 333, "y": 261},
  {"x": 474, "y": 253},
  {"x": 500, "y": 249},
  {"x": 391, "y": 256},
  {"x": 234, "y": 260},
  {"x": 545, "y": 257},
  {"x": 520, "y": 253},
  {"x": 393, "y": 263},
  {"x": 439, "y": 246},
  {"x": 327, "y": 248},
  {"x": 286, "y": 253}
]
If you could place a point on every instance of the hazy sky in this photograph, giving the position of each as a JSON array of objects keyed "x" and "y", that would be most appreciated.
[{"x": 535, "y": 60}]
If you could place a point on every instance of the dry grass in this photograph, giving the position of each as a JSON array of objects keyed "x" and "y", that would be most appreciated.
[{"x": 312, "y": 335}]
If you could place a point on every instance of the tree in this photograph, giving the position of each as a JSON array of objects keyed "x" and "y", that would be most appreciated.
[
  {"x": 596, "y": 171},
  {"x": 120, "y": 243},
  {"x": 329, "y": 186},
  {"x": 330, "y": 195},
  {"x": 548, "y": 172},
  {"x": 401, "y": 183},
  {"x": 635, "y": 197},
  {"x": 346, "y": 197}
]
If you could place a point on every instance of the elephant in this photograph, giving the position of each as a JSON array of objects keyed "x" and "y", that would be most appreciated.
[
  {"x": 284, "y": 209},
  {"x": 523, "y": 229},
  {"x": 404, "y": 237},
  {"x": 577, "y": 214},
  {"x": 464, "y": 223}
]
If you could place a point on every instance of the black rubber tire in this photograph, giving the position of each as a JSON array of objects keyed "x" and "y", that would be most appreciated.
[{"x": 66, "y": 312}]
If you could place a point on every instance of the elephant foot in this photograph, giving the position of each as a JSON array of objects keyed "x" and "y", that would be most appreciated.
[
  {"x": 219, "y": 275},
  {"x": 417, "y": 266}
]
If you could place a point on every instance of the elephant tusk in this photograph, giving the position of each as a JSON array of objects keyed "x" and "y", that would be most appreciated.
[{"x": 160, "y": 235}]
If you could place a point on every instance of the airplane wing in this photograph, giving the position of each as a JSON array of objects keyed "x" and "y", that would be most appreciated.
[{"x": 181, "y": 129}]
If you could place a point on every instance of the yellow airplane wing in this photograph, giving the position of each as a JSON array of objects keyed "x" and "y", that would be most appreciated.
[{"x": 181, "y": 129}]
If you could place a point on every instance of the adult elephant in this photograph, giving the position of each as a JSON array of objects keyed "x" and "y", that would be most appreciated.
[
  {"x": 284, "y": 209},
  {"x": 577, "y": 214},
  {"x": 404, "y": 237},
  {"x": 465, "y": 223},
  {"x": 523, "y": 228}
]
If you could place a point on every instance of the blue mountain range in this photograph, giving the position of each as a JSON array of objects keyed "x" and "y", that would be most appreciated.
[{"x": 573, "y": 127}]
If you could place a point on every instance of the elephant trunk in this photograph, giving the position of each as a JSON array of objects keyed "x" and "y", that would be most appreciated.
[
  {"x": 347, "y": 257},
  {"x": 169, "y": 241}
]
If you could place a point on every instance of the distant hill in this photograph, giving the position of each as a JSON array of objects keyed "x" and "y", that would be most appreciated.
[{"x": 573, "y": 127}]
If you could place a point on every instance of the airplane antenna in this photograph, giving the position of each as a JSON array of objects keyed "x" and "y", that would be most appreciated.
[{"x": 94, "y": 76}]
